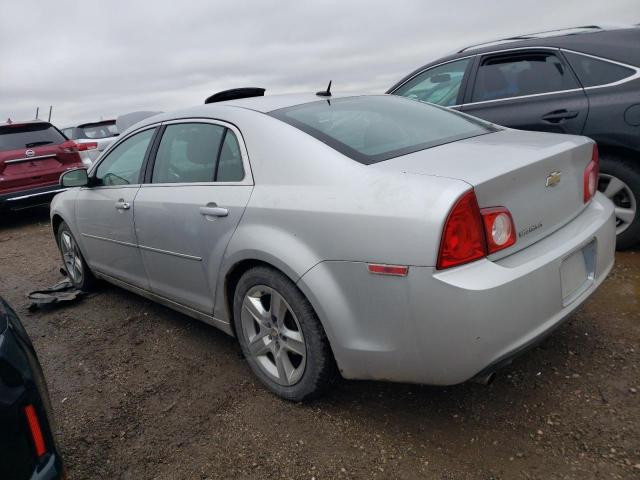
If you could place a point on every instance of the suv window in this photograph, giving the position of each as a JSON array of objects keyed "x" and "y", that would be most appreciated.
[
  {"x": 439, "y": 85},
  {"x": 15, "y": 137},
  {"x": 188, "y": 153},
  {"x": 518, "y": 75},
  {"x": 98, "y": 130},
  {"x": 592, "y": 71},
  {"x": 122, "y": 165}
]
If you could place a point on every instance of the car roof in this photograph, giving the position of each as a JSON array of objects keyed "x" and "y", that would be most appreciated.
[{"x": 618, "y": 44}]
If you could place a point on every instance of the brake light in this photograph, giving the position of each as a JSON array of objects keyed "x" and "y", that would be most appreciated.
[
  {"x": 69, "y": 146},
  {"x": 34, "y": 428},
  {"x": 591, "y": 173},
  {"x": 87, "y": 146},
  {"x": 463, "y": 238},
  {"x": 471, "y": 233},
  {"x": 498, "y": 228}
]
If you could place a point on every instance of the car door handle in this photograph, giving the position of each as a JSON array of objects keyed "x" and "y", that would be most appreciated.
[
  {"x": 559, "y": 115},
  {"x": 212, "y": 210},
  {"x": 122, "y": 205}
]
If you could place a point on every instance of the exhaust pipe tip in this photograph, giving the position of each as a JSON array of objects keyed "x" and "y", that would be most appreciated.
[{"x": 485, "y": 379}]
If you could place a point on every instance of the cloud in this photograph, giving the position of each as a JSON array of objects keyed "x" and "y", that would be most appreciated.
[{"x": 91, "y": 60}]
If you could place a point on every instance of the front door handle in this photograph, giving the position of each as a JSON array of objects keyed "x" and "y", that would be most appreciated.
[
  {"x": 213, "y": 210},
  {"x": 558, "y": 116},
  {"x": 122, "y": 205}
]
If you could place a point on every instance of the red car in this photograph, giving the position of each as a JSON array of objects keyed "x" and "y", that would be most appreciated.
[{"x": 32, "y": 157}]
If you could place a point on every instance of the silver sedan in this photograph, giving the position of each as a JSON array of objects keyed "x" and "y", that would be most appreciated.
[{"x": 367, "y": 236}]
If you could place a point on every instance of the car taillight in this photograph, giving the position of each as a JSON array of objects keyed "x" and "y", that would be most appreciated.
[
  {"x": 34, "y": 428},
  {"x": 463, "y": 238},
  {"x": 498, "y": 228},
  {"x": 591, "y": 173},
  {"x": 87, "y": 146},
  {"x": 69, "y": 146},
  {"x": 471, "y": 233}
]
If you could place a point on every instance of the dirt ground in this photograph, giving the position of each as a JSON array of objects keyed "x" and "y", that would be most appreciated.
[{"x": 140, "y": 391}]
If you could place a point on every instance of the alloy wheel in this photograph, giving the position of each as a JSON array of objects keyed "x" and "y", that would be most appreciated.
[
  {"x": 623, "y": 199},
  {"x": 71, "y": 257},
  {"x": 273, "y": 334}
]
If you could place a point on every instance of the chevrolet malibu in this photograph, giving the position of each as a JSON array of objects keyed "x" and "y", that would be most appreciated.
[{"x": 368, "y": 236}]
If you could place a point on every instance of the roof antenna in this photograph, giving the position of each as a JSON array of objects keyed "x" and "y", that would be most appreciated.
[{"x": 325, "y": 93}]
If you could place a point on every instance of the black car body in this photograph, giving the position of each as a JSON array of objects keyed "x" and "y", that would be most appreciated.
[
  {"x": 27, "y": 446},
  {"x": 583, "y": 81}
]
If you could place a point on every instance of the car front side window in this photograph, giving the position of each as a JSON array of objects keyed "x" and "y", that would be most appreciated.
[
  {"x": 439, "y": 85},
  {"x": 123, "y": 164},
  {"x": 518, "y": 75}
]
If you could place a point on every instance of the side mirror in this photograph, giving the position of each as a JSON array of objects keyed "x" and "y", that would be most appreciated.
[
  {"x": 441, "y": 78},
  {"x": 74, "y": 178}
]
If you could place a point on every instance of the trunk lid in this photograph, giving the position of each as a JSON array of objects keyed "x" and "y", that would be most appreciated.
[{"x": 537, "y": 176}]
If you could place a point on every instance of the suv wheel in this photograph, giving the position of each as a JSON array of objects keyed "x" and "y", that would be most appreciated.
[
  {"x": 620, "y": 182},
  {"x": 281, "y": 336}
]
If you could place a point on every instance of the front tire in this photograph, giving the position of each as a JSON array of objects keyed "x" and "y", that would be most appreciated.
[
  {"x": 281, "y": 337},
  {"x": 620, "y": 182},
  {"x": 77, "y": 269}
]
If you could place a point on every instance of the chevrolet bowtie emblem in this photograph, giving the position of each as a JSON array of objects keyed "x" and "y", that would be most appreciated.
[{"x": 553, "y": 179}]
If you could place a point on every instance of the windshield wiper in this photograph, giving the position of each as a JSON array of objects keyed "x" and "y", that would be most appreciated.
[{"x": 37, "y": 144}]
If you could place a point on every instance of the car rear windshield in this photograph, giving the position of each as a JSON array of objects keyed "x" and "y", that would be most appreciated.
[
  {"x": 373, "y": 128},
  {"x": 98, "y": 130},
  {"x": 15, "y": 137}
]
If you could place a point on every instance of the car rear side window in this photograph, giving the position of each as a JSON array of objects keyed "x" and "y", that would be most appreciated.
[
  {"x": 16, "y": 137},
  {"x": 593, "y": 72},
  {"x": 230, "y": 167},
  {"x": 188, "y": 153},
  {"x": 439, "y": 85},
  {"x": 511, "y": 75},
  {"x": 371, "y": 129},
  {"x": 122, "y": 165}
]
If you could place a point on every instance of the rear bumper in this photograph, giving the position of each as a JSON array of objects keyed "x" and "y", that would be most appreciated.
[
  {"x": 29, "y": 198},
  {"x": 445, "y": 327}
]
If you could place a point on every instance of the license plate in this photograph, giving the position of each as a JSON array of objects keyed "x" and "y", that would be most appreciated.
[{"x": 577, "y": 272}]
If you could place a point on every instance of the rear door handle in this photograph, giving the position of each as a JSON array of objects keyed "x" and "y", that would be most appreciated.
[
  {"x": 122, "y": 205},
  {"x": 559, "y": 115},
  {"x": 213, "y": 210}
]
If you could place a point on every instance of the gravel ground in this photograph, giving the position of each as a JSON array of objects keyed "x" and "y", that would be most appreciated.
[{"x": 140, "y": 391}]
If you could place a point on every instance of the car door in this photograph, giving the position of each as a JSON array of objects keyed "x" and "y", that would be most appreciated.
[
  {"x": 105, "y": 211},
  {"x": 195, "y": 195},
  {"x": 442, "y": 84},
  {"x": 529, "y": 90}
]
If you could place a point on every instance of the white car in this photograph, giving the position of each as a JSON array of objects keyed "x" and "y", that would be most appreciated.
[{"x": 92, "y": 138}]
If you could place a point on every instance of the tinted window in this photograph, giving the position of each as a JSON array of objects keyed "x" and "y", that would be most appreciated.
[
  {"x": 187, "y": 153},
  {"x": 230, "y": 164},
  {"x": 68, "y": 132},
  {"x": 439, "y": 85},
  {"x": 592, "y": 71},
  {"x": 514, "y": 76},
  {"x": 15, "y": 137},
  {"x": 122, "y": 165},
  {"x": 370, "y": 129},
  {"x": 103, "y": 130}
]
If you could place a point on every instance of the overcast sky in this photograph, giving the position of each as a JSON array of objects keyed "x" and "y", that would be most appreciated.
[{"x": 94, "y": 59}]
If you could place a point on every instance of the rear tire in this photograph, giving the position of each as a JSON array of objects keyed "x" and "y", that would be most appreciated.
[
  {"x": 620, "y": 182},
  {"x": 281, "y": 337},
  {"x": 78, "y": 271}
]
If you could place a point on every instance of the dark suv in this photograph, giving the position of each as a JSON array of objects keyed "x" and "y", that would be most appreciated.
[{"x": 583, "y": 80}]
